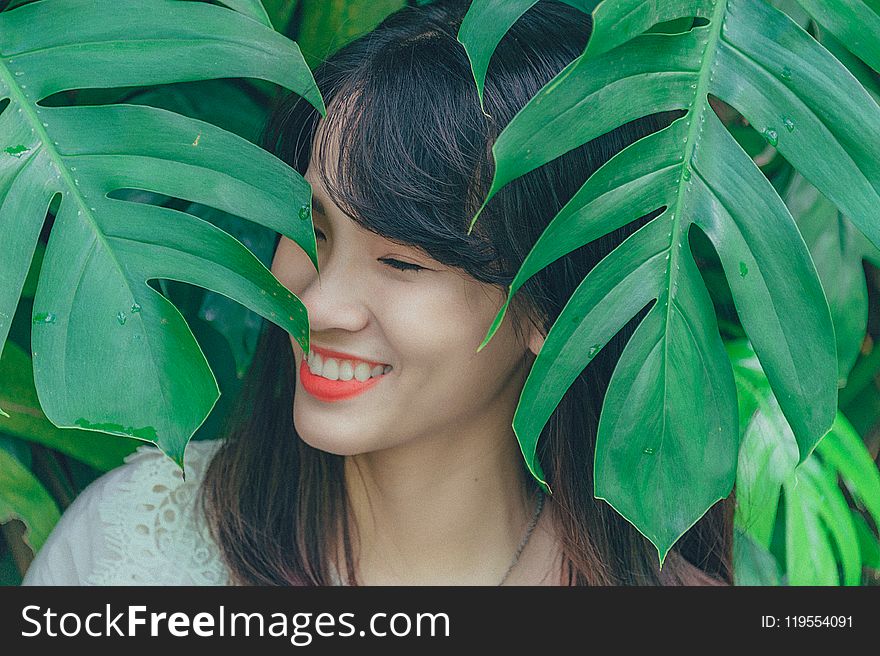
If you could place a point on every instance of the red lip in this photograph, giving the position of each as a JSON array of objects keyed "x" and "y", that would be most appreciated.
[{"x": 332, "y": 390}]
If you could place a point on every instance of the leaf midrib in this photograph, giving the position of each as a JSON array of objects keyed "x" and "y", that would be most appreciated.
[{"x": 701, "y": 95}]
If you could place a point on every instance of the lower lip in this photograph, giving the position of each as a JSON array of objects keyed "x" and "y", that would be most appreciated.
[{"x": 333, "y": 390}]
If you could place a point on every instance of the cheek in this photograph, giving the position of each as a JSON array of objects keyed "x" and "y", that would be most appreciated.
[
  {"x": 441, "y": 326},
  {"x": 292, "y": 266}
]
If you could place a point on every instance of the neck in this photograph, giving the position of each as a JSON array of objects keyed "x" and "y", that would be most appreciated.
[{"x": 446, "y": 509}]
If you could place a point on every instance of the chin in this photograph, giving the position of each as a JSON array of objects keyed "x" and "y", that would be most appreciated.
[
  {"x": 331, "y": 444},
  {"x": 333, "y": 439}
]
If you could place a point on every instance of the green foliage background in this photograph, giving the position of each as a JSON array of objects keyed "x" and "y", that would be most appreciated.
[{"x": 810, "y": 523}]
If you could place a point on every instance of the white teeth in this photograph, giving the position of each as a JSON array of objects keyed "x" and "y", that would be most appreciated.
[
  {"x": 362, "y": 371},
  {"x": 316, "y": 363},
  {"x": 346, "y": 371},
  {"x": 334, "y": 369},
  {"x": 331, "y": 369}
]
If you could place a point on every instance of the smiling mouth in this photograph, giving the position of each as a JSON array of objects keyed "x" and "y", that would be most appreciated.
[
  {"x": 328, "y": 390},
  {"x": 335, "y": 368}
]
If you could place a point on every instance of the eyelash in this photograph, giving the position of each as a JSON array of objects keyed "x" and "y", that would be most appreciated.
[{"x": 394, "y": 264}]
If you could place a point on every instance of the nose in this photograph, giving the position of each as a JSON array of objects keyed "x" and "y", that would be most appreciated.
[{"x": 335, "y": 301}]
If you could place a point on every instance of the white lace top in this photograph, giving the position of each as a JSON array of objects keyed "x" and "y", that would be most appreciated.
[{"x": 135, "y": 525}]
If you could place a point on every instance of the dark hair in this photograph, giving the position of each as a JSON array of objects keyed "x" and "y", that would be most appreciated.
[{"x": 414, "y": 165}]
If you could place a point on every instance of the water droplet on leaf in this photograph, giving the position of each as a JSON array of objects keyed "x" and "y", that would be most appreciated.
[
  {"x": 648, "y": 451},
  {"x": 135, "y": 308},
  {"x": 789, "y": 124},
  {"x": 121, "y": 318},
  {"x": 686, "y": 174},
  {"x": 786, "y": 73},
  {"x": 743, "y": 269},
  {"x": 16, "y": 151},
  {"x": 304, "y": 212},
  {"x": 771, "y": 136},
  {"x": 45, "y": 317},
  {"x": 594, "y": 349}
]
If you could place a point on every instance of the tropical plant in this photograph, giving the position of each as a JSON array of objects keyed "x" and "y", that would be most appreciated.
[
  {"x": 797, "y": 520},
  {"x": 92, "y": 296},
  {"x": 134, "y": 123},
  {"x": 670, "y": 413}
]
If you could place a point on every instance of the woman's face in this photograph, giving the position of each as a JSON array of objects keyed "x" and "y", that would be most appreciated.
[{"x": 422, "y": 326}]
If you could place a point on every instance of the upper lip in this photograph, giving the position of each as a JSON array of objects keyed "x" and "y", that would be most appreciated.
[{"x": 330, "y": 353}]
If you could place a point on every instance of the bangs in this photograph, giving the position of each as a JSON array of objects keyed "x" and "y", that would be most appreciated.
[{"x": 404, "y": 152}]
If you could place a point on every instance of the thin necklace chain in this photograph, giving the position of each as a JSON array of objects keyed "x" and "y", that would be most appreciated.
[{"x": 522, "y": 545}]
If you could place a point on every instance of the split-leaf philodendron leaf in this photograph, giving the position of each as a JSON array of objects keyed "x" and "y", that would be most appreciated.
[
  {"x": 667, "y": 441},
  {"x": 816, "y": 512},
  {"x": 110, "y": 353}
]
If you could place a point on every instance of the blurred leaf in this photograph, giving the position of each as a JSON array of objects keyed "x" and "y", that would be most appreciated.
[
  {"x": 836, "y": 517},
  {"x": 844, "y": 450},
  {"x": 18, "y": 448},
  {"x": 218, "y": 352},
  {"x": 818, "y": 529},
  {"x": 27, "y": 421},
  {"x": 281, "y": 13},
  {"x": 224, "y": 103},
  {"x": 862, "y": 72},
  {"x": 809, "y": 555},
  {"x": 837, "y": 249},
  {"x": 327, "y": 25},
  {"x": 793, "y": 10},
  {"x": 869, "y": 545},
  {"x": 240, "y": 326},
  {"x": 30, "y": 283},
  {"x": 853, "y": 22},
  {"x": 768, "y": 453},
  {"x": 23, "y": 497},
  {"x": 863, "y": 407},
  {"x": 9, "y": 574},
  {"x": 753, "y": 564},
  {"x": 250, "y": 8}
]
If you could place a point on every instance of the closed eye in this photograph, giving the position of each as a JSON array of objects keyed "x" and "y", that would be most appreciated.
[
  {"x": 395, "y": 264},
  {"x": 403, "y": 266}
]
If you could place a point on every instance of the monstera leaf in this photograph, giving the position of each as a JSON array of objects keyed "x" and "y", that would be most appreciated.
[
  {"x": 667, "y": 443},
  {"x": 819, "y": 528},
  {"x": 110, "y": 353},
  {"x": 487, "y": 22}
]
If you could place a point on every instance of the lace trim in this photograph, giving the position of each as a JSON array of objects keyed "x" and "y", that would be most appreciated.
[{"x": 153, "y": 536}]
